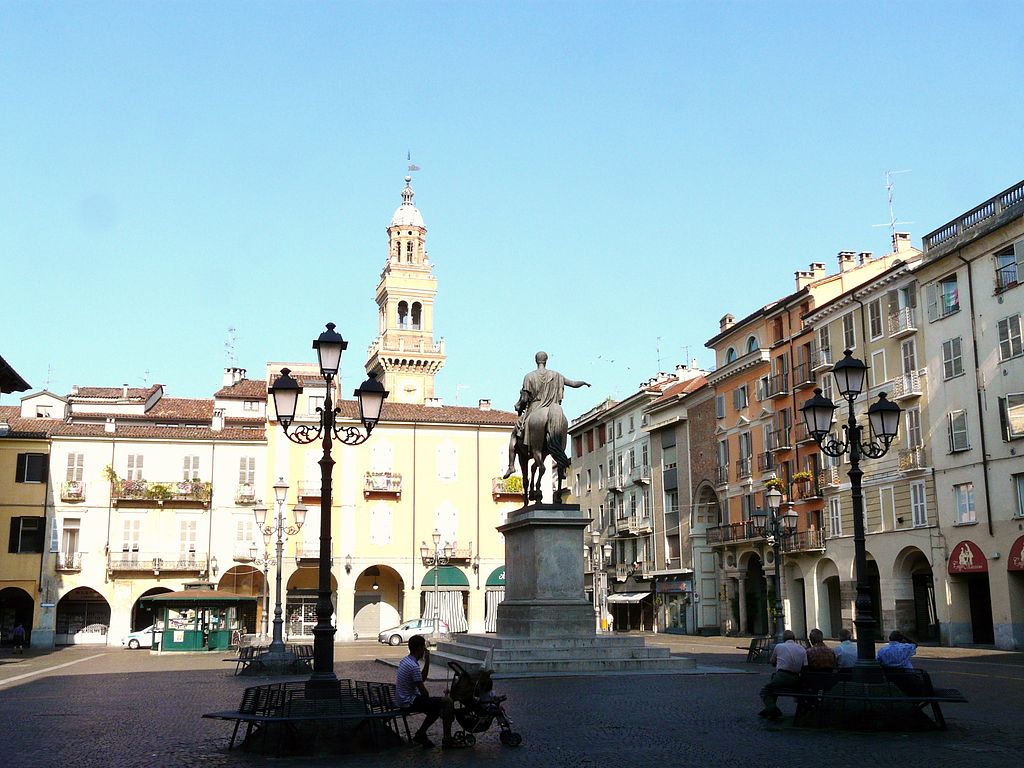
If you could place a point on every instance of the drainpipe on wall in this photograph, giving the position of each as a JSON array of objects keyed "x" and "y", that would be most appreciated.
[{"x": 978, "y": 387}]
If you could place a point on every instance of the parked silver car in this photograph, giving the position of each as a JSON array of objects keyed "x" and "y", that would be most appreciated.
[
  {"x": 143, "y": 638},
  {"x": 401, "y": 634}
]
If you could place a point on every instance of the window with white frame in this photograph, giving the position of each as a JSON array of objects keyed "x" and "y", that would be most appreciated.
[
  {"x": 878, "y": 372},
  {"x": 576, "y": 484},
  {"x": 190, "y": 468},
  {"x": 70, "y": 532},
  {"x": 245, "y": 534},
  {"x": 849, "y": 332},
  {"x": 250, "y": 405},
  {"x": 76, "y": 467},
  {"x": 828, "y": 387},
  {"x": 913, "y": 419},
  {"x": 723, "y": 453},
  {"x": 631, "y": 424},
  {"x": 824, "y": 344},
  {"x": 313, "y": 402},
  {"x": 131, "y": 534},
  {"x": 1018, "y": 487},
  {"x": 247, "y": 470},
  {"x": 875, "y": 319},
  {"x": 952, "y": 358},
  {"x": 600, "y": 476},
  {"x": 957, "y": 425},
  {"x": 188, "y": 529},
  {"x": 739, "y": 397},
  {"x": 1011, "y": 414},
  {"x": 886, "y": 507},
  {"x": 964, "y": 495},
  {"x": 918, "y": 504},
  {"x": 943, "y": 298},
  {"x": 835, "y": 517},
  {"x": 1010, "y": 337},
  {"x": 908, "y": 354},
  {"x": 134, "y": 466},
  {"x": 589, "y": 486}
]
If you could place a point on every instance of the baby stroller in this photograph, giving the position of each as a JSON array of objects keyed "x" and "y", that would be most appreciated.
[{"x": 476, "y": 707}]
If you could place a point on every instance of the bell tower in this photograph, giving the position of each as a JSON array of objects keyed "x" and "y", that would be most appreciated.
[{"x": 404, "y": 356}]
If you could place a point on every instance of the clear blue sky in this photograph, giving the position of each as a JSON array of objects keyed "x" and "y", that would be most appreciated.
[{"x": 596, "y": 176}]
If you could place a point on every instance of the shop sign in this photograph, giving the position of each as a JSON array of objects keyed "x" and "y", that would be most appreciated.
[
  {"x": 665, "y": 587},
  {"x": 967, "y": 557},
  {"x": 1016, "y": 560}
]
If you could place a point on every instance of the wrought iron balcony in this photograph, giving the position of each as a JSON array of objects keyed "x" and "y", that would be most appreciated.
[
  {"x": 743, "y": 467},
  {"x": 616, "y": 482},
  {"x": 640, "y": 475},
  {"x": 828, "y": 477},
  {"x": 383, "y": 483},
  {"x": 621, "y": 572},
  {"x": 780, "y": 439},
  {"x": 903, "y": 323},
  {"x": 804, "y": 541},
  {"x": 731, "y": 533},
  {"x": 723, "y": 475},
  {"x": 69, "y": 561},
  {"x": 912, "y": 459},
  {"x": 157, "y": 562},
  {"x": 245, "y": 493},
  {"x": 72, "y": 491},
  {"x": 801, "y": 434},
  {"x": 906, "y": 386},
  {"x": 637, "y": 524},
  {"x": 803, "y": 376},
  {"x": 778, "y": 385},
  {"x": 765, "y": 461},
  {"x": 821, "y": 358},
  {"x": 161, "y": 492},
  {"x": 1006, "y": 277}
]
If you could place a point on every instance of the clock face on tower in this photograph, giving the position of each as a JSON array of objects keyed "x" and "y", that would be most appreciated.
[{"x": 410, "y": 391}]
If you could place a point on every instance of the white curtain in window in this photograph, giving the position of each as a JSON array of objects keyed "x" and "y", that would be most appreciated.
[
  {"x": 451, "y": 609},
  {"x": 491, "y": 600}
]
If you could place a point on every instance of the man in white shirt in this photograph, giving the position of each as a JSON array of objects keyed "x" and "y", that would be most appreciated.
[
  {"x": 788, "y": 657},
  {"x": 412, "y": 696}
]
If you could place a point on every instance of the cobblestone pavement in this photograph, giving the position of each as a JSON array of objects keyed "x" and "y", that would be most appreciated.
[{"x": 87, "y": 707}]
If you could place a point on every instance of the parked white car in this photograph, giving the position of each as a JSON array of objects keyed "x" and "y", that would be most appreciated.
[
  {"x": 401, "y": 634},
  {"x": 143, "y": 638}
]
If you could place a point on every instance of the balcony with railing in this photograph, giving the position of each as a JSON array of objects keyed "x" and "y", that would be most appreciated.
[
  {"x": 978, "y": 221},
  {"x": 621, "y": 571},
  {"x": 778, "y": 385},
  {"x": 507, "y": 487},
  {"x": 309, "y": 551},
  {"x": 731, "y": 533},
  {"x": 906, "y": 386},
  {"x": 804, "y": 541},
  {"x": 309, "y": 489},
  {"x": 161, "y": 492},
  {"x": 637, "y": 524},
  {"x": 72, "y": 491},
  {"x": 383, "y": 484},
  {"x": 69, "y": 561},
  {"x": 765, "y": 462},
  {"x": 245, "y": 493},
  {"x": 157, "y": 562},
  {"x": 801, "y": 435},
  {"x": 1006, "y": 277},
  {"x": 821, "y": 359},
  {"x": 780, "y": 439},
  {"x": 722, "y": 476},
  {"x": 903, "y": 323},
  {"x": 806, "y": 490},
  {"x": 829, "y": 477},
  {"x": 640, "y": 475},
  {"x": 912, "y": 459},
  {"x": 803, "y": 376},
  {"x": 743, "y": 467},
  {"x": 616, "y": 482}
]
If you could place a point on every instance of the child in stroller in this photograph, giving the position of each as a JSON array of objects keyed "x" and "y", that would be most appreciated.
[{"x": 477, "y": 706}]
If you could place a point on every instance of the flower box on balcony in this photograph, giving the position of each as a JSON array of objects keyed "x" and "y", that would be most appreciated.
[{"x": 73, "y": 490}]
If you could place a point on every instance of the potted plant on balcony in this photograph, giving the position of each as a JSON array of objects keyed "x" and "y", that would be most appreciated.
[
  {"x": 776, "y": 483},
  {"x": 802, "y": 477}
]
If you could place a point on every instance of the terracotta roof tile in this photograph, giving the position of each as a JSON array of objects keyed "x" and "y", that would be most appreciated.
[
  {"x": 426, "y": 414},
  {"x": 115, "y": 393},
  {"x": 245, "y": 389},
  {"x": 151, "y": 432},
  {"x": 681, "y": 388},
  {"x": 29, "y": 428}
]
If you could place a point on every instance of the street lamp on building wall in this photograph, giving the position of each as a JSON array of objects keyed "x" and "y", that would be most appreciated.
[
  {"x": 775, "y": 527},
  {"x": 440, "y": 556},
  {"x": 277, "y": 655},
  {"x": 370, "y": 395},
  {"x": 883, "y": 421}
]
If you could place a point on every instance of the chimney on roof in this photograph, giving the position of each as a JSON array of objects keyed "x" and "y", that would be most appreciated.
[
  {"x": 901, "y": 242},
  {"x": 74, "y": 389},
  {"x": 804, "y": 277},
  {"x": 864, "y": 257},
  {"x": 233, "y": 375},
  {"x": 847, "y": 261},
  {"x": 485, "y": 405},
  {"x": 110, "y": 426},
  {"x": 818, "y": 268},
  {"x": 124, "y": 390},
  {"x": 680, "y": 370},
  {"x": 218, "y": 420},
  {"x": 727, "y": 321}
]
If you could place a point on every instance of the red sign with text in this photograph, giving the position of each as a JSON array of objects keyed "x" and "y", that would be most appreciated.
[
  {"x": 967, "y": 557},
  {"x": 1016, "y": 560}
]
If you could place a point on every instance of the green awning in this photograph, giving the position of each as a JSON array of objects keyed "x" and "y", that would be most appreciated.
[
  {"x": 497, "y": 577},
  {"x": 447, "y": 576}
]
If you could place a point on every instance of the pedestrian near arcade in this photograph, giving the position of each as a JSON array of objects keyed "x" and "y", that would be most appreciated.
[{"x": 18, "y": 638}]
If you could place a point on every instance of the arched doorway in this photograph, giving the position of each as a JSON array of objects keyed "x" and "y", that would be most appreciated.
[
  {"x": 83, "y": 618},
  {"x": 142, "y": 613},
  {"x": 830, "y": 606},
  {"x": 249, "y": 581},
  {"x": 875, "y": 586},
  {"x": 756, "y": 597},
  {"x": 300, "y": 602},
  {"x": 16, "y": 607},
  {"x": 378, "y": 595},
  {"x": 914, "y": 592},
  {"x": 970, "y": 595}
]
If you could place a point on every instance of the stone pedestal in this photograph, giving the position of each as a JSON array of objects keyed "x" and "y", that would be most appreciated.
[{"x": 545, "y": 625}]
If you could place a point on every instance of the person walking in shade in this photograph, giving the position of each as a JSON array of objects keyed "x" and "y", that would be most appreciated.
[{"x": 18, "y": 638}]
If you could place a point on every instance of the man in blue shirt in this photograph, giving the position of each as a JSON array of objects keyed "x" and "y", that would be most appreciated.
[
  {"x": 846, "y": 651},
  {"x": 412, "y": 695},
  {"x": 896, "y": 655}
]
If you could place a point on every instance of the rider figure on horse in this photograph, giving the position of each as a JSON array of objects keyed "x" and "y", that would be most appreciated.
[{"x": 542, "y": 388}]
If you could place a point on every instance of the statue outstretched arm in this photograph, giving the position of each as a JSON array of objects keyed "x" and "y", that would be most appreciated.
[{"x": 576, "y": 384}]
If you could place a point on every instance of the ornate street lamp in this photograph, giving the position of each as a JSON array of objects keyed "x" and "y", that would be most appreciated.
[
  {"x": 277, "y": 657},
  {"x": 883, "y": 421},
  {"x": 370, "y": 396},
  {"x": 775, "y": 527},
  {"x": 440, "y": 556}
]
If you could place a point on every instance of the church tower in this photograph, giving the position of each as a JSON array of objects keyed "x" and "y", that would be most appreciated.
[{"x": 404, "y": 355}]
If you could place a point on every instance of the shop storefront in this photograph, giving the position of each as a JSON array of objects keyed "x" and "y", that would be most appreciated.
[{"x": 674, "y": 604}]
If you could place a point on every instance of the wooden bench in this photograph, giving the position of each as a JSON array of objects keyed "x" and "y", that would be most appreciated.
[
  {"x": 280, "y": 708},
  {"x": 898, "y": 696}
]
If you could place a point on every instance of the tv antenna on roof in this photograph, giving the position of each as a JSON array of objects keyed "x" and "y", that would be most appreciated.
[
  {"x": 891, "y": 224},
  {"x": 230, "y": 347}
]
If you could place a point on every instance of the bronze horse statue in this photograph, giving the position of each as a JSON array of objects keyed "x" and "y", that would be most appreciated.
[{"x": 545, "y": 435}]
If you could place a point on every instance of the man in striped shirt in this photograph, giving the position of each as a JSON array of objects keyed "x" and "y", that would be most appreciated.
[{"x": 412, "y": 695}]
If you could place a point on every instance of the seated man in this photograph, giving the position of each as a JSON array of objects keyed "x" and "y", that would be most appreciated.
[
  {"x": 896, "y": 655},
  {"x": 788, "y": 658},
  {"x": 819, "y": 655},
  {"x": 412, "y": 695},
  {"x": 846, "y": 651}
]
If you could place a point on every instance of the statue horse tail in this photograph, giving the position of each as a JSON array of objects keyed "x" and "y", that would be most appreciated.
[{"x": 557, "y": 431}]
